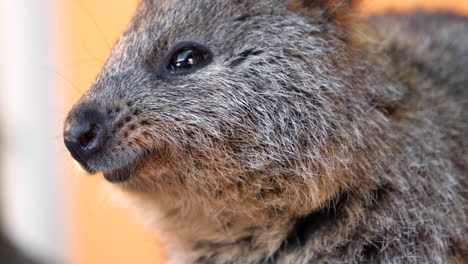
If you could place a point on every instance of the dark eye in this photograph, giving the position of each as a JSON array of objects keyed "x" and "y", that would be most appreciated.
[{"x": 187, "y": 59}]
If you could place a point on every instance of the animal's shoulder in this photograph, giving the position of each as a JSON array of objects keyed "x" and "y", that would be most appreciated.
[{"x": 437, "y": 43}]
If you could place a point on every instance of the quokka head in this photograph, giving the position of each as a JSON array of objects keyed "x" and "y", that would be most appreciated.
[{"x": 207, "y": 96}]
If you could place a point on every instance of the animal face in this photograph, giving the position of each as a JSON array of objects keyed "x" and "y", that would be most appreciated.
[{"x": 208, "y": 94}]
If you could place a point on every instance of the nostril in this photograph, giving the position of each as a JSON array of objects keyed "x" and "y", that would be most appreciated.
[{"x": 88, "y": 137}]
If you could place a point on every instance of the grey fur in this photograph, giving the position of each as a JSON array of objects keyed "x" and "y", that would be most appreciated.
[{"x": 310, "y": 138}]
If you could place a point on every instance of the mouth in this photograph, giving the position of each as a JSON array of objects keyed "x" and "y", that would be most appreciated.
[
  {"x": 123, "y": 173},
  {"x": 120, "y": 175}
]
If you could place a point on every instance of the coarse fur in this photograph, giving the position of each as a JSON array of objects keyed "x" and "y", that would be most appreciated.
[{"x": 312, "y": 136}]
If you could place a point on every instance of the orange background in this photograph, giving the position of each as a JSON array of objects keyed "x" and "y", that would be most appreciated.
[{"x": 102, "y": 233}]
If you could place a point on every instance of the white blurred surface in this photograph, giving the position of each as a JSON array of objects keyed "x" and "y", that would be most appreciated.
[{"x": 30, "y": 181}]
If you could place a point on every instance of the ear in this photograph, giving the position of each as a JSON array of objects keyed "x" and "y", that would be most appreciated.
[
  {"x": 338, "y": 11},
  {"x": 301, "y": 4}
]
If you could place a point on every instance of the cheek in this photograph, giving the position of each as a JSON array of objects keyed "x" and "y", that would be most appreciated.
[
  {"x": 154, "y": 173},
  {"x": 160, "y": 172}
]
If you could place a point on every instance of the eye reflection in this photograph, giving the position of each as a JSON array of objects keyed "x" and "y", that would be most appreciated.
[{"x": 187, "y": 59}]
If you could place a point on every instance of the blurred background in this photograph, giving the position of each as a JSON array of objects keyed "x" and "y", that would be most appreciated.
[{"x": 50, "y": 52}]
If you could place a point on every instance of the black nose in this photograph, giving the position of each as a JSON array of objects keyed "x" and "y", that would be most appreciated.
[{"x": 84, "y": 135}]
